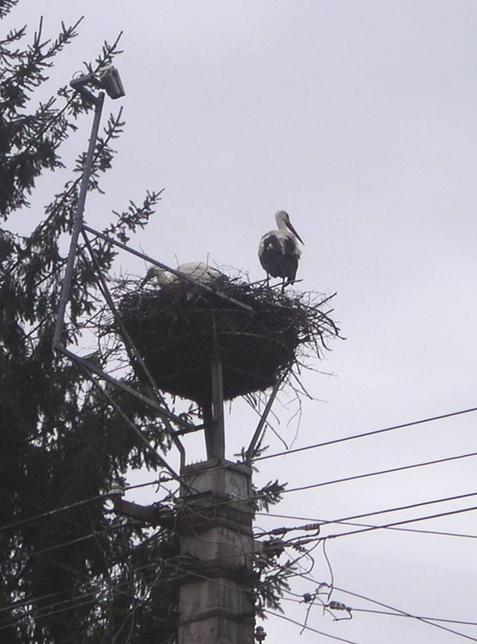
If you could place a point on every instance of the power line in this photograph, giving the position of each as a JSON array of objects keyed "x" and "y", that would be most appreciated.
[
  {"x": 90, "y": 535},
  {"x": 75, "y": 604},
  {"x": 363, "y": 435},
  {"x": 434, "y": 619},
  {"x": 379, "y": 472},
  {"x": 50, "y": 513},
  {"x": 306, "y": 540},
  {"x": 177, "y": 567},
  {"x": 290, "y": 490},
  {"x": 56, "y": 546},
  {"x": 404, "y": 522},
  {"x": 355, "y": 477},
  {"x": 410, "y": 506},
  {"x": 347, "y": 478},
  {"x": 31, "y": 600},
  {"x": 353, "y": 609},
  {"x": 374, "y": 432},
  {"x": 36, "y": 598},
  {"x": 77, "y": 586},
  {"x": 181, "y": 568},
  {"x": 414, "y": 423},
  {"x": 256, "y": 496},
  {"x": 93, "y": 593},
  {"x": 63, "y": 508},
  {"x": 397, "y": 610},
  {"x": 442, "y": 533},
  {"x": 85, "y": 537},
  {"x": 308, "y": 628},
  {"x": 345, "y": 520}
]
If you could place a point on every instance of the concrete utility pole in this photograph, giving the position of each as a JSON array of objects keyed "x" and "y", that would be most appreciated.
[
  {"x": 216, "y": 539},
  {"x": 213, "y": 517},
  {"x": 216, "y": 547},
  {"x": 214, "y": 568}
]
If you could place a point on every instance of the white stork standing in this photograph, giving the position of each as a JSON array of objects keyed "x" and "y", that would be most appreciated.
[
  {"x": 198, "y": 271},
  {"x": 279, "y": 252}
]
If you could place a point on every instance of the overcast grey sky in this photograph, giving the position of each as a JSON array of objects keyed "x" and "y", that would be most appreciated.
[{"x": 358, "y": 118}]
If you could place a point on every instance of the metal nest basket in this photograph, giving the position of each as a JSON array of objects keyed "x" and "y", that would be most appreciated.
[{"x": 256, "y": 332}]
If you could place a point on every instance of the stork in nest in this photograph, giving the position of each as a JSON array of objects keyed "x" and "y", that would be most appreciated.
[{"x": 279, "y": 252}]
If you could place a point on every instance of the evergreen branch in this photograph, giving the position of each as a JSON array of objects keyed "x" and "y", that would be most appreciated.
[{"x": 6, "y": 6}]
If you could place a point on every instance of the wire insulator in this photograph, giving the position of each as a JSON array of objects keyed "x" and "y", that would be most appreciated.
[{"x": 333, "y": 605}]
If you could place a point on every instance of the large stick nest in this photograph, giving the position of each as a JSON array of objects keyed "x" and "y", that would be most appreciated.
[{"x": 180, "y": 329}]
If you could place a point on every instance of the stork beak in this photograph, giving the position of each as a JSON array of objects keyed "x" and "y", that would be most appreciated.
[{"x": 288, "y": 224}]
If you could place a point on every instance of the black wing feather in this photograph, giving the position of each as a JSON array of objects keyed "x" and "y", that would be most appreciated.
[{"x": 279, "y": 260}]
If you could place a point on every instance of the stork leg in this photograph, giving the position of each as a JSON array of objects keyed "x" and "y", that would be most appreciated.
[{"x": 283, "y": 285}]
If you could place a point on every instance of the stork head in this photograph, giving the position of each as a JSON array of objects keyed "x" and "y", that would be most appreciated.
[
  {"x": 283, "y": 222},
  {"x": 157, "y": 274}
]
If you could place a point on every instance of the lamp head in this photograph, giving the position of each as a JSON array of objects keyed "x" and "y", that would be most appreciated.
[{"x": 110, "y": 79}]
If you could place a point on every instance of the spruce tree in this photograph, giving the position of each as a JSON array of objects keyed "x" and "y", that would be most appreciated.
[{"x": 77, "y": 574}]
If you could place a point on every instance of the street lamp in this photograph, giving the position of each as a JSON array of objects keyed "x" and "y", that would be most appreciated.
[{"x": 107, "y": 79}]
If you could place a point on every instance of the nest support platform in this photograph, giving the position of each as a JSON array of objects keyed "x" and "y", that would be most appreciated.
[{"x": 181, "y": 331}]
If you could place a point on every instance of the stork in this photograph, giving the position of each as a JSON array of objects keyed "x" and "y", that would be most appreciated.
[
  {"x": 279, "y": 252},
  {"x": 198, "y": 271}
]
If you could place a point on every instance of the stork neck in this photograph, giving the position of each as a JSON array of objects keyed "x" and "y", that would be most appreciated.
[{"x": 281, "y": 222}]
